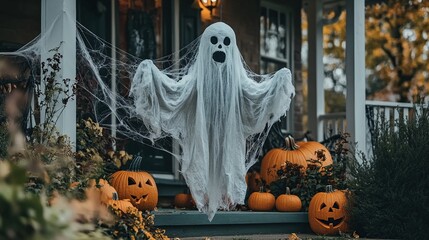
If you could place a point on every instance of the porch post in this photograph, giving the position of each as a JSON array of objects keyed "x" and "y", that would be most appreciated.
[
  {"x": 355, "y": 72},
  {"x": 316, "y": 96},
  {"x": 58, "y": 25}
]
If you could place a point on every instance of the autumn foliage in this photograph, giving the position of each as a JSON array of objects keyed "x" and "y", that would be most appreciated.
[{"x": 397, "y": 49}]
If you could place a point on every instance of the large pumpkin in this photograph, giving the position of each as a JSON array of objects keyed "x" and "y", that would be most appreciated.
[
  {"x": 311, "y": 149},
  {"x": 288, "y": 203},
  {"x": 261, "y": 201},
  {"x": 327, "y": 212},
  {"x": 275, "y": 158},
  {"x": 138, "y": 186}
]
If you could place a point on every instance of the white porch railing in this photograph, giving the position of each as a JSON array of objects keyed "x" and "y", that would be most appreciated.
[{"x": 334, "y": 123}]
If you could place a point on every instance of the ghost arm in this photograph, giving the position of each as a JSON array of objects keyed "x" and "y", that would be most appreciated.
[
  {"x": 161, "y": 101},
  {"x": 267, "y": 101}
]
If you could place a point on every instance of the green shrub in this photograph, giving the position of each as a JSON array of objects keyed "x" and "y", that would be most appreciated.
[
  {"x": 391, "y": 190},
  {"x": 4, "y": 140}
]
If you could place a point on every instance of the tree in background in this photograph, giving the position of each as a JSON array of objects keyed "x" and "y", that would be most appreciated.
[
  {"x": 397, "y": 49},
  {"x": 334, "y": 44},
  {"x": 334, "y": 38}
]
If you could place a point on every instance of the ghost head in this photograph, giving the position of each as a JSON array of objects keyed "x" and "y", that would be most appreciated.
[{"x": 218, "y": 42}]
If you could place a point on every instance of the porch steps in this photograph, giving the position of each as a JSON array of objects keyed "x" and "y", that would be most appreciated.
[{"x": 188, "y": 223}]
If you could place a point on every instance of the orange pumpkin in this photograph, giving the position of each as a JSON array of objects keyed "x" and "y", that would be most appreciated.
[
  {"x": 261, "y": 201},
  {"x": 184, "y": 200},
  {"x": 106, "y": 192},
  {"x": 139, "y": 187},
  {"x": 253, "y": 180},
  {"x": 311, "y": 149},
  {"x": 277, "y": 157},
  {"x": 123, "y": 205},
  {"x": 288, "y": 203},
  {"x": 327, "y": 212}
]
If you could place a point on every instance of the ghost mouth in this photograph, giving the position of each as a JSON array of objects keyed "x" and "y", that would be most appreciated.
[
  {"x": 334, "y": 222},
  {"x": 219, "y": 56}
]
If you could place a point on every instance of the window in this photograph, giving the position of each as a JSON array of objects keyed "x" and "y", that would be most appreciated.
[
  {"x": 276, "y": 43},
  {"x": 142, "y": 28},
  {"x": 148, "y": 29}
]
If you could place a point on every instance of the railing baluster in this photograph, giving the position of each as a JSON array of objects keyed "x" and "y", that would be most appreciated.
[
  {"x": 396, "y": 118},
  {"x": 406, "y": 114}
]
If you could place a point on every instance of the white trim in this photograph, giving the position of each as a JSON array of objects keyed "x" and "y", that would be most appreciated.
[
  {"x": 389, "y": 104},
  {"x": 176, "y": 51},
  {"x": 355, "y": 73},
  {"x": 316, "y": 94},
  {"x": 58, "y": 25},
  {"x": 113, "y": 77}
]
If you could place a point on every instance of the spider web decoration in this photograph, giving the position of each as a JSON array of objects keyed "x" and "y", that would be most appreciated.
[{"x": 207, "y": 100}]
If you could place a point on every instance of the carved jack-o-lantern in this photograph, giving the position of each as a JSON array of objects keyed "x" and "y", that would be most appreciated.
[
  {"x": 327, "y": 214},
  {"x": 139, "y": 187}
]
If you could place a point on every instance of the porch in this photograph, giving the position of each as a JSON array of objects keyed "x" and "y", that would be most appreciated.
[
  {"x": 355, "y": 120},
  {"x": 191, "y": 223}
]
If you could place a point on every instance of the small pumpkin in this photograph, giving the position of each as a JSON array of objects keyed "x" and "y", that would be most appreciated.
[
  {"x": 327, "y": 212},
  {"x": 288, "y": 202},
  {"x": 105, "y": 190},
  {"x": 123, "y": 205},
  {"x": 253, "y": 180},
  {"x": 275, "y": 158},
  {"x": 184, "y": 200},
  {"x": 261, "y": 201}
]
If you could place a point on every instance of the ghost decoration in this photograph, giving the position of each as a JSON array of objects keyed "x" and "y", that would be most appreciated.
[{"x": 211, "y": 112}]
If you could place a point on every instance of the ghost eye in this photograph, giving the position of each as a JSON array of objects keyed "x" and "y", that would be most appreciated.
[
  {"x": 322, "y": 206},
  {"x": 213, "y": 40},
  {"x": 226, "y": 41}
]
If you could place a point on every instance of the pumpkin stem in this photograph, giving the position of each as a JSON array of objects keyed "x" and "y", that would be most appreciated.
[
  {"x": 329, "y": 188},
  {"x": 290, "y": 143},
  {"x": 115, "y": 196},
  {"x": 135, "y": 164},
  {"x": 287, "y": 191},
  {"x": 261, "y": 188}
]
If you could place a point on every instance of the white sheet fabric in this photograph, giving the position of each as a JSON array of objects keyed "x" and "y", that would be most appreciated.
[{"x": 211, "y": 112}]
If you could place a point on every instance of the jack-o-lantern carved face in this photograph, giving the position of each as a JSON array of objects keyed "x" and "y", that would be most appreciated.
[
  {"x": 139, "y": 187},
  {"x": 327, "y": 213}
]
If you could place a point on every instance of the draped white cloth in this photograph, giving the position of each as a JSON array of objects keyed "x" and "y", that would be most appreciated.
[{"x": 211, "y": 112}]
